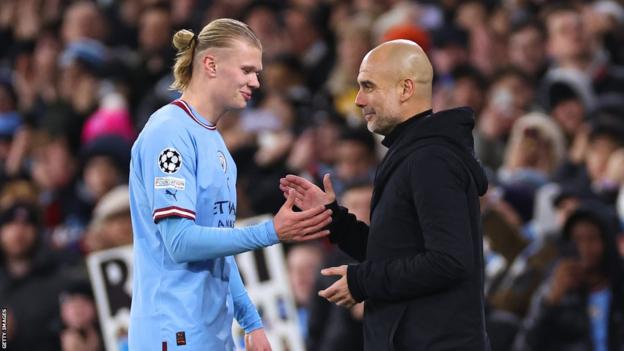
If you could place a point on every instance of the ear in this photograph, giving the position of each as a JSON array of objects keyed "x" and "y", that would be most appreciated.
[
  {"x": 209, "y": 65},
  {"x": 406, "y": 91}
]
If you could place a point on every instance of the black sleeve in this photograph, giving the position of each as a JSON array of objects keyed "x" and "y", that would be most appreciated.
[
  {"x": 347, "y": 232},
  {"x": 438, "y": 183}
]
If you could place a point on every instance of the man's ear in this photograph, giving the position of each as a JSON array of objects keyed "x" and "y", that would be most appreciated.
[
  {"x": 406, "y": 87},
  {"x": 209, "y": 64}
]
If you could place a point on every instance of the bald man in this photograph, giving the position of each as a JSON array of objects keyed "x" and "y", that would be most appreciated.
[{"x": 421, "y": 259}]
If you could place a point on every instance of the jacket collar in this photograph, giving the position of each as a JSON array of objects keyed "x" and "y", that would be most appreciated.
[{"x": 400, "y": 128}]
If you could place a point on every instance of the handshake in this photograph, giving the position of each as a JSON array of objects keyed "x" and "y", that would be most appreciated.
[{"x": 308, "y": 224}]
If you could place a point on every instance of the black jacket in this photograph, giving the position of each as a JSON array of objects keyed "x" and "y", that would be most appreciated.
[
  {"x": 421, "y": 270},
  {"x": 33, "y": 301}
]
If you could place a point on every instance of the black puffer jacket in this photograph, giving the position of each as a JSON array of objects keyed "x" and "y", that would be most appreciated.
[{"x": 421, "y": 270}]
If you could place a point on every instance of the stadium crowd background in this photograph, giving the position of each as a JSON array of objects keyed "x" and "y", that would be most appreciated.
[{"x": 79, "y": 79}]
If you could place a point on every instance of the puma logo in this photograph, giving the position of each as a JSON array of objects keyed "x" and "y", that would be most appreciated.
[{"x": 172, "y": 194}]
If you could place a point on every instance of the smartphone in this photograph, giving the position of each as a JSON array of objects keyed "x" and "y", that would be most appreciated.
[{"x": 568, "y": 249}]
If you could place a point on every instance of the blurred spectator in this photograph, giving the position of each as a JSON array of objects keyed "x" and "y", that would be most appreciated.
[
  {"x": 105, "y": 164},
  {"x": 29, "y": 280},
  {"x": 82, "y": 64},
  {"x": 79, "y": 318},
  {"x": 567, "y": 109},
  {"x": 10, "y": 121},
  {"x": 18, "y": 190},
  {"x": 303, "y": 263},
  {"x": 266, "y": 22},
  {"x": 488, "y": 40},
  {"x": 534, "y": 151},
  {"x": 604, "y": 138},
  {"x": 333, "y": 328},
  {"x": 107, "y": 121},
  {"x": 450, "y": 49},
  {"x": 578, "y": 307},
  {"x": 568, "y": 44},
  {"x": 509, "y": 97},
  {"x": 605, "y": 19},
  {"x": 155, "y": 52},
  {"x": 466, "y": 89},
  {"x": 111, "y": 225},
  {"x": 354, "y": 41},
  {"x": 308, "y": 44},
  {"x": 570, "y": 48},
  {"x": 66, "y": 206},
  {"x": 83, "y": 20},
  {"x": 527, "y": 49},
  {"x": 356, "y": 159}
]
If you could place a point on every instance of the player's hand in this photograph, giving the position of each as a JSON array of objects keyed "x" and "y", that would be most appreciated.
[
  {"x": 257, "y": 341},
  {"x": 307, "y": 194},
  {"x": 338, "y": 292},
  {"x": 301, "y": 226}
]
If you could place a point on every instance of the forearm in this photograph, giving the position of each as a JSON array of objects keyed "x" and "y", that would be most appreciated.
[
  {"x": 187, "y": 242},
  {"x": 405, "y": 278},
  {"x": 244, "y": 310},
  {"x": 347, "y": 232}
]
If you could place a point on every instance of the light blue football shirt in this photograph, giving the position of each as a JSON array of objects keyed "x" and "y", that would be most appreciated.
[{"x": 186, "y": 287}]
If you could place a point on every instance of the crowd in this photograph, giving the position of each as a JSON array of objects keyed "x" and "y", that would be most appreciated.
[{"x": 79, "y": 79}]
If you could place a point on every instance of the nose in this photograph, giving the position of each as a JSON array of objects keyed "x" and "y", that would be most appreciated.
[
  {"x": 254, "y": 83},
  {"x": 359, "y": 99}
]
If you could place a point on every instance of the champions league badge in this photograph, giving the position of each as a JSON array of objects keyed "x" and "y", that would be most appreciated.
[{"x": 169, "y": 160}]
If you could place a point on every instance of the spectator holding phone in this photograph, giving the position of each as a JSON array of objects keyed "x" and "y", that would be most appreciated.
[{"x": 580, "y": 305}]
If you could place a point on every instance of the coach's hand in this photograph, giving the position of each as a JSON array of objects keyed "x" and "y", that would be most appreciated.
[
  {"x": 338, "y": 292},
  {"x": 308, "y": 194},
  {"x": 257, "y": 341},
  {"x": 301, "y": 226}
]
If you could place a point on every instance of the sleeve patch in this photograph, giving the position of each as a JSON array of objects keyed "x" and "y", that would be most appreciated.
[
  {"x": 169, "y": 183},
  {"x": 169, "y": 160}
]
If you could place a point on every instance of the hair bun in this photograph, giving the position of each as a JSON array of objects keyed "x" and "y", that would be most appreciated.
[{"x": 182, "y": 39}]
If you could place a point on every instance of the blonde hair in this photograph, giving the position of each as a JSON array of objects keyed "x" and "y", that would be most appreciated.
[
  {"x": 548, "y": 129},
  {"x": 219, "y": 33}
]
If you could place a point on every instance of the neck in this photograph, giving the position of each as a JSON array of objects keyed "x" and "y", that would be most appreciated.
[
  {"x": 205, "y": 105},
  {"x": 18, "y": 267},
  {"x": 414, "y": 109}
]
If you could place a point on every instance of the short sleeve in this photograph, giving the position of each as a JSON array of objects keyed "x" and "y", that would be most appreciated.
[{"x": 170, "y": 173}]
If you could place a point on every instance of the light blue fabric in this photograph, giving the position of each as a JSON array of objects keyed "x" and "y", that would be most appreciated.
[
  {"x": 183, "y": 206},
  {"x": 598, "y": 306},
  {"x": 9, "y": 122}
]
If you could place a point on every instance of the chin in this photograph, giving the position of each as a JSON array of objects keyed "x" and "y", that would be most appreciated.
[
  {"x": 238, "y": 105},
  {"x": 373, "y": 128}
]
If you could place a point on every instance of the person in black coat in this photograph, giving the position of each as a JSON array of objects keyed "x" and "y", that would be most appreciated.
[
  {"x": 579, "y": 307},
  {"x": 421, "y": 259},
  {"x": 30, "y": 281}
]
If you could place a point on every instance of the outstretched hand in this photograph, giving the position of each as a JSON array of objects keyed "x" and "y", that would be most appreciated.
[
  {"x": 338, "y": 292},
  {"x": 301, "y": 226},
  {"x": 307, "y": 194}
]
